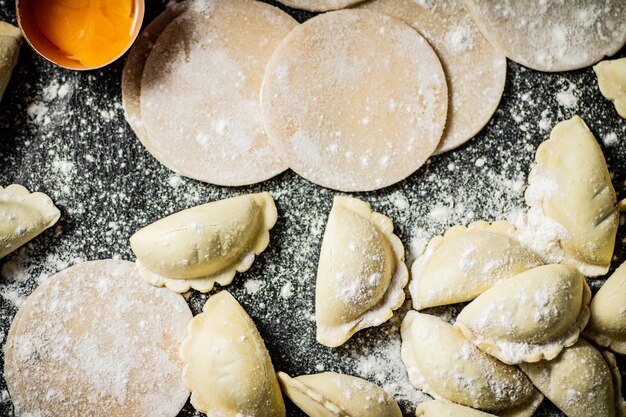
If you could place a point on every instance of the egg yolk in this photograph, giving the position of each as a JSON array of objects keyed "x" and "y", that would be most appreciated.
[{"x": 92, "y": 32}]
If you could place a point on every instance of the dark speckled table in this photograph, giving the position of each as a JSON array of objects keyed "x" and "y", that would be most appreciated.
[{"x": 63, "y": 133}]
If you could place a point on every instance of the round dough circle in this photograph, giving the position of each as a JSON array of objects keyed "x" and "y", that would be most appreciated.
[
  {"x": 475, "y": 70},
  {"x": 200, "y": 91},
  {"x": 552, "y": 36},
  {"x": 133, "y": 69},
  {"x": 319, "y": 5},
  {"x": 354, "y": 100},
  {"x": 95, "y": 340}
]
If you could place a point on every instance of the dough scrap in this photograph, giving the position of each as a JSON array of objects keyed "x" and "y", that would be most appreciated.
[
  {"x": 207, "y": 244},
  {"x": 475, "y": 70},
  {"x": 336, "y": 395},
  {"x": 227, "y": 367},
  {"x": 581, "y": 381},
  {"x": 345, "y": 118},
  {"x": 23, "y": 216},
  {"x": 607, "y": 325},
  {"x": 552, "y": 36},
  {"x": 572, "y": 202},
  {"x": 10, "y": 42},
  {"x": 361, "y": 274},
  {"x": 442, "y": 363},
  {"x": 319, "y": 5},
  {"x": 612, "y": 82},
  {"x": 467, "y": 261},
  {"x": 134, "y": 65},
  {"x": 200, "y": 91},
  {"x": 73, "y": 347},
  {"x": 443, "y": 408},
  {"x": 529, "y": 317}
]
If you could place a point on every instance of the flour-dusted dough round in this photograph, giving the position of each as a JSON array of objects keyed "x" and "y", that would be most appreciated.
[
  {"x": 95, "y": 340},
  {"x": 200, "y": 91},
  {"x": 133, "y": 69},
  {"x": 354, "y": 100},
  {"x": 319, "y": 5},
  {"x": 475, "y": 70},
  {"x": 552, "y": 35}
]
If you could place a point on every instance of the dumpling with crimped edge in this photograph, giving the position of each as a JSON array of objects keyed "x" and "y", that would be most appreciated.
[
  {"x": 361, "y": 274},
  {"x": 612, "y": 82},
  {"x": 445, "y": 365},
  {"x": 23, "y": 216},
  {"x": 336, "y": 395},
  {"x": 204, "y": 245},
  {"x": 466, "y": 261},
  {"x": 573, "y": 214},
  {"x": 226, "y": 365},
  {"x": 443, "y": 408},
  {"x": 529, "y": 317},
  {"x": 607, "y": 324},
  {"x": 581, "y": 381}
]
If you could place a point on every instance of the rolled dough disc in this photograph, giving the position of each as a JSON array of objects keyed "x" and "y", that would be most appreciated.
[
  {"x": 200, "y": 91},
  {"x": 354, "y": 100},
  {"x": 95, "y": 340},
  {"x": 553, "y": 35},
  {"x": 319, "y": 5},
  {"x": 475, "y": 70},
  {"x": 133, "y": 69}
]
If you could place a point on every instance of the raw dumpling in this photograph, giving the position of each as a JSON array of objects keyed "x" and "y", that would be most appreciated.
[
  {"x": 23, "y": 216},
  {"x": 607, "y": 325},
  {"x": 581, "y": 381},
  {"x": 573, "y": 214},
  {"x": 466, "y": 261},
  {"x": 227, "y": 367},
  {"x": 612, "y": 82},
  {"x": 442, "y": 408},
  {"x": 442, "y": 363},
  {"x": 336, "y": 395},
  {"x": 197, "y": 247},
  {"x": 529, "y": 317},
  {"x": 10, "y": 41},
  {"x": 361, "y": 273}
]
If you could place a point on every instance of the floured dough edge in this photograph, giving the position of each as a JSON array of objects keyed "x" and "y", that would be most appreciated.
[
  {"x": 226, "y": 276},
  {"x": 319, "y": 5},
  {"x": 394, "y": 296},
  {"x": 133, "y": 69},
  {"x": 616, "y": 345},
  {"x": 532, "y": 352},
  {"x": 288, "y": 383},
  {"x": 501, "y": 227},
  {"x": 620, "y": 404}
]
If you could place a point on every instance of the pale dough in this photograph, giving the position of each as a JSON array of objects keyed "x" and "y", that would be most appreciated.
[
  {"x": 445, "y": 365},
  {"x": 23, "y": 216},
  {"x": 354, "y": 101},
  {"x": 581, "y": 381},
  {"x": 612, "y": 82},
  {"x": 10, "y": 42},
  {"x": 571, "y": 196},
  {"x": 133, "y": 69},
  {"x": 607, "y": 325},
  {"x": 95, "y": 340},
  {"x": 336, "y": 395},
  {"x": 227, "y": 367},
  {"x": 475, "y": 70},
  {"x": 443, "y": 408},
  {"x": 207, "y": 244},
  {"x": 200, "y": 91},
  {"x": 529, "y": 317},
  {"x": 466, "y": 261},
  {"x": 552, "y": 35},
  {"x": 361, "y": 274},
  {"x": 319, "y": 5}
]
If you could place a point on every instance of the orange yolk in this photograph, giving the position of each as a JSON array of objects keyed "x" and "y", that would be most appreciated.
[{"x": 92, "y": 32}]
